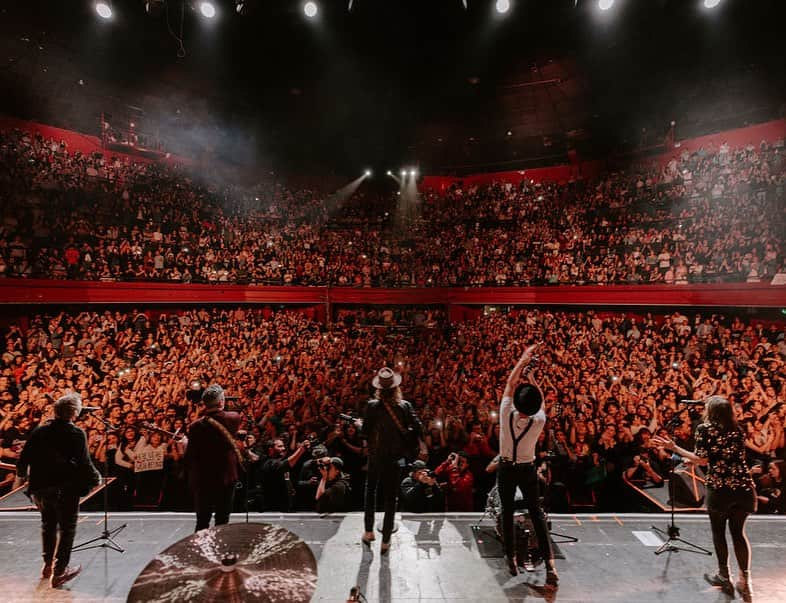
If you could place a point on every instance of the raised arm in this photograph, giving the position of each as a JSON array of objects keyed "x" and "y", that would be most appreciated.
[{"x": 515, "y": 374}]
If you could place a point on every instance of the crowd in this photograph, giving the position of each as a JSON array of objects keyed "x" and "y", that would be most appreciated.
[
  {"x": 712, "y": 215},
  {"x": 610, "y": 381}
]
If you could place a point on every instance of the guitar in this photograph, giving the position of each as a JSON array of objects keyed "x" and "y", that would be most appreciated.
[{"x": 176, "y": 435}]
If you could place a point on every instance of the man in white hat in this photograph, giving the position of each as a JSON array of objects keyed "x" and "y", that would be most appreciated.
[{"x": 392, "y": 430}]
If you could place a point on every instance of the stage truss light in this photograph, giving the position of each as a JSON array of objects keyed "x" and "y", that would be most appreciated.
[
  {"x": 711, "y": 3},
  {"x": 390, "y": 173},
  {"x": 310, "y": 9},
  {"x": 104, "y": 9},
  {"x": 403, "y": 173},
  {"x": 154, "y": 8},
  {"x": 413, "y": 172},
  {"x": 367, "y": 173},
  {"x": 207, "y": 9},
  {"x": 502, "y": 6},
  {"x": 605, "y": 4}
]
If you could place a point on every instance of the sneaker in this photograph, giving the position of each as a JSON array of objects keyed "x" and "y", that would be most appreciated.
[
  {"x": 68, "y": 574},
  {"x": 46, "y": 570},
  {"x": 721, "y": 582},
  {"x": 367, "y": 538}
]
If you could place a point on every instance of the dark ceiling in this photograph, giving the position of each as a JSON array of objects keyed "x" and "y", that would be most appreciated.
[{"x": 394, "y": 81}]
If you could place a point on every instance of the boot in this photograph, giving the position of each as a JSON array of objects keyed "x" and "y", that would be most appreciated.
[
  {"x": 744, "y": 585},
  {"x": 721, "y": 581},
  {"x": 367, "y": 538},
  {"x": 67, "y": 574},
  {"x": 513, "y": 567},
  {"x": 552, "y": 578}
]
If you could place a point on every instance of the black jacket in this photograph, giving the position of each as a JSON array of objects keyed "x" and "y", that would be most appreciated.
[
  {"x": 56, "y": 456},
  {"x": 210, "y": 458},
  {"x": 417, "y": 497},
  {"x": 385, "y": 440}
]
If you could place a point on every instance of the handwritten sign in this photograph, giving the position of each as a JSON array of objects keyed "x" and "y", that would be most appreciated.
[{"x": 151, "y": 459}]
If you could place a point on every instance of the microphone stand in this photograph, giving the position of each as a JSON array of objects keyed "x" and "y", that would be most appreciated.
[
  {"x": 106, "y": 539},
  {"x": 672, "y": 532},
  {"x": 249, "y": 421}
]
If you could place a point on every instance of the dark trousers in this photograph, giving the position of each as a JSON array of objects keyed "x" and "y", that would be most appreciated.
[
  {"x": 59, "y": 512},
  {"x": 388, "y": 473},
  {"x": 525, "y": 477},
  {"x": 217, "y": 500}
]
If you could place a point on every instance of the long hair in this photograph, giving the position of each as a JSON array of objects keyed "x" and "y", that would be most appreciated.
[
  {"x": 718, "y": 410},
  {"x": 389, "y": 396}
]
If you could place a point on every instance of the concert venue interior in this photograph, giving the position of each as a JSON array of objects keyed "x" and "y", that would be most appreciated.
[{"x": 283, "y": 197}]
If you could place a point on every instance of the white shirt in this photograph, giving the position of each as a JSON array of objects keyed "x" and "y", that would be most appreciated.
[{"x": 525, "y": 450}]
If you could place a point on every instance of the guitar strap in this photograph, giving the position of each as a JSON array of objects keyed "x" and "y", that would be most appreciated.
[
  {"x": 396, "y": 420},
  {"x": 228, "y": 436}
]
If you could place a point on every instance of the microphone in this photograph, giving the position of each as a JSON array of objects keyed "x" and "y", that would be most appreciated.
[
  {"x": 695, "y": 402},
  {"x": 91, "y": 408}
]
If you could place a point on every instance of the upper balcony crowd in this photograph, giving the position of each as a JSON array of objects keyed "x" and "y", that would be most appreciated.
[{"x": 714, "y": 215}]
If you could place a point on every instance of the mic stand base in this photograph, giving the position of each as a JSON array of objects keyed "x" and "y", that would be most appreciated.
[
  {"x": 104, "y": 541},
  {"x": 672, "y": 544}
]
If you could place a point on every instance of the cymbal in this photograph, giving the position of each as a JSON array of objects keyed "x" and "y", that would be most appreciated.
[{"x": 235, "y": 562}]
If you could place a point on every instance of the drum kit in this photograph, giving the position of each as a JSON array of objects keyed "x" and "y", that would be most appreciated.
[{"x": 232, "y": 563}]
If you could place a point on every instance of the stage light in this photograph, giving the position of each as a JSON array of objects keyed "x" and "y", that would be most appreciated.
[
  {"x": 412, "y": 173},
  {"x": 605, "y": 4},
  {"x": 104, "y": 9},
  {"x": 310, "y": 9},
  {"x": 154, "y": 8},
  {"x": 403, "y": 172},
  {"x": 367, "y": 173},
  {"x": 390, "y": 173},
  {"x": 246, "y": 7},
  {"x": 207, "y": 9},
  {"x": 711, "y": 3},
  {"x": 502, "y": 6}
]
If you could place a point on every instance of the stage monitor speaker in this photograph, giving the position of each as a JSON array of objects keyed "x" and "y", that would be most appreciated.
[{"x": 688, "y": 486}]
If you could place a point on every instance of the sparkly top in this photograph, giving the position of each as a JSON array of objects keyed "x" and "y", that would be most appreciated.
[{"x": 725, "y": 451}]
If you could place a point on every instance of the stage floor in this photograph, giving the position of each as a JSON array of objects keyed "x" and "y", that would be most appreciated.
[{"x": 433, "y": 558}]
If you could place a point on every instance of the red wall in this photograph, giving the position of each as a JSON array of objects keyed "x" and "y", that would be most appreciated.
[
  {"x": 556, "y": 173},
  {"x": 769, "y": 131},
  {"x": 740, "y": 137},
  {"x": 83, "y": 142},
  {"x": 16, "y": 291}
]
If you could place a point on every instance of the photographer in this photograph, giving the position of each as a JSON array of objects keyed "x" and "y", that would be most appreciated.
[
  {"x": 277, "y": 485},
  {"x": 333, "y": 490},
  {"x": 642, "y": 471},
  {"x": 420, "y": 492},
  {"x": 457, "y": 481},
  {"x": 309, "y": 478}
]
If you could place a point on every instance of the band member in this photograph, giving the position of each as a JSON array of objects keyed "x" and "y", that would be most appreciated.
[
  {"x": 392, "y": 430},
  {"x": 522, "y": 418},
  {"x": 60, "y": 470},
  {"x": 213, "y": 459},
  {"x": 731, "y": 495}
]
